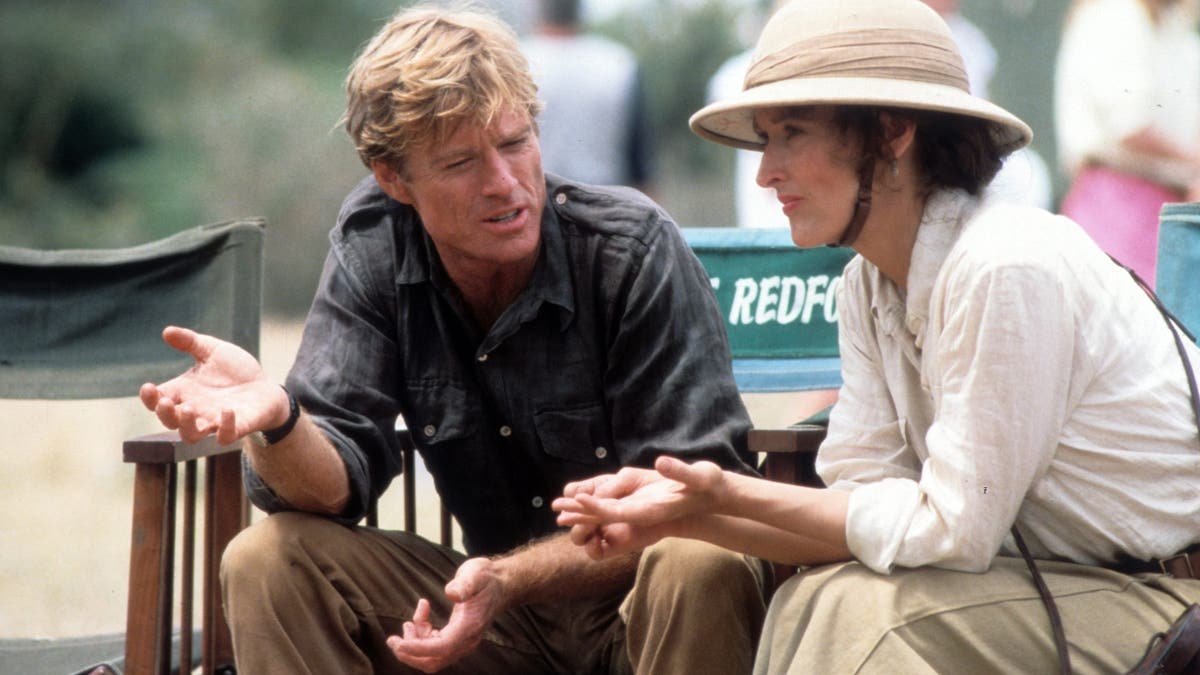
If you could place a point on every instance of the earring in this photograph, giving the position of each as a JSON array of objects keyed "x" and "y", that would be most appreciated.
[{"x": 895, "y": 168}]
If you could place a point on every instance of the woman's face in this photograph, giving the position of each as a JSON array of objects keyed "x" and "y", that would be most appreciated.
[{"x": 812, "y": 166}]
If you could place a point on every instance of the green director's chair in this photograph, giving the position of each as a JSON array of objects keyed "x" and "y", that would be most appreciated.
[{"x": 84, "y": 324}]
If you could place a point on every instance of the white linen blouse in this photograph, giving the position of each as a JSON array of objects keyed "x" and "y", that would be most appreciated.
[{"x": 1023, "y": 376}]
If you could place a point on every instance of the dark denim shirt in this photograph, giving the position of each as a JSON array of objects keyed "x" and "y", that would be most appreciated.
[{"x": 614, "y": 354}]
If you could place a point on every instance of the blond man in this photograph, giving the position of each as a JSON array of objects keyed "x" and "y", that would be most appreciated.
[{"x": 531, "y": 331}]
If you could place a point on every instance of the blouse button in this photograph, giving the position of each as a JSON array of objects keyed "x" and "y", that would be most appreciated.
[
  {"x": 560, "y": 198},
  {"x": 429, "y": 430},
  {"x": 506, "y": 431},
  {"x": 601, "y": 452},
  {"x": 537, "y": 502},
  {"x": 482, "y": 358}
]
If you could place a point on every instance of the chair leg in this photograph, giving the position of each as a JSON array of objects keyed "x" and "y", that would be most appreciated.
[
  {"x": 151, "y": 564},
  {"x": 410, "y": 486},
  {"x": 188, "y": 566},
  {"x": 223, "y": 486},
  {"x": 782, "y": 467}
]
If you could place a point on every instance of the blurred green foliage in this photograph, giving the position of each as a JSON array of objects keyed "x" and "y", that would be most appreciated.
[
  {"x": 121, "y": 122},
  {"x": 127, "y": 120}
]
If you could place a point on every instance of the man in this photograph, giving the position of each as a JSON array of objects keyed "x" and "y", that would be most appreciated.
[
  {"x": 596, "y": 125},
  {"x": 531, "y": 332}
]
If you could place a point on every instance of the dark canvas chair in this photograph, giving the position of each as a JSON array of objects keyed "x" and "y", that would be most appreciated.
[
  {"x": 80, "y": 324},
  {"x": 781, "y": 316}
]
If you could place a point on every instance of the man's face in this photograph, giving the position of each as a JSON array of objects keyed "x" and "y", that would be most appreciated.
[{"x": 480, "y": 195}]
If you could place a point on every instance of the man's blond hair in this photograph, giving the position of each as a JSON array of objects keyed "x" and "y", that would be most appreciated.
[{"x": 426, "y": 72}]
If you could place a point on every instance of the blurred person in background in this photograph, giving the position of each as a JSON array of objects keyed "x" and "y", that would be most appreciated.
[
  {"x": 1007, "y": 387},
  {"x": 978, "y": 55},
  {"x": 531, "y": 331},
  {"x": 595, "y": 125},
  {"x": 1127, "y": 115}
]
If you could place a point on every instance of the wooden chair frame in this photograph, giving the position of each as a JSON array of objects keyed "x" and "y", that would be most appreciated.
[
  {"x": 157, "y": 512},
  {"x": 788, "y": 455},
  {"x": 149, "y": 622}
]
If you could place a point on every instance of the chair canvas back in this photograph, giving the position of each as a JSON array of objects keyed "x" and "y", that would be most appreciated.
[
  {"x": 1177, "y": 278},
  {"x": 779, "y": 305},
  {"x": 78, "y": 324}
]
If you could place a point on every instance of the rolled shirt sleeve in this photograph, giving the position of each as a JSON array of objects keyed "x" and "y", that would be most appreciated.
[{"x": 949, "y": 427}]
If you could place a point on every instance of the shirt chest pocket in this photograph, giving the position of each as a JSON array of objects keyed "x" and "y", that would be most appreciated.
[
  {"x": 441, "y": 411},
  {"x": 579, "y": 435}
]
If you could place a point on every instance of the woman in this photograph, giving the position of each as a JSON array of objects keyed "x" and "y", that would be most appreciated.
[
  {"x": 999, "y": 369},
  {"x": 1128, "y": 119}
]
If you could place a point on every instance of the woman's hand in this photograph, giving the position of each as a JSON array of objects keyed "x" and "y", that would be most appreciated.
[{"x": 633, "y": 508}]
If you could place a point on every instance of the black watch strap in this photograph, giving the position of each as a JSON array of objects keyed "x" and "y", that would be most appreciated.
[{"x": 280, "y": 432}]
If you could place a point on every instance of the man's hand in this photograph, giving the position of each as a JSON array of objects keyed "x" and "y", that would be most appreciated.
[
  {"x": 477, "y": 597},
  {"x": 225, "y": 393},
  {"x": 623, "y": 512}
]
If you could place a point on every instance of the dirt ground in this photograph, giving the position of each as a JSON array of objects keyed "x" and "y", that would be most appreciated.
[{"x": 65, "y": 502}]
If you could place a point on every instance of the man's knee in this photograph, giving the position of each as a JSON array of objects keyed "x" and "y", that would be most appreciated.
[
  {"x": 687, "y": 591},
  {"x": 684, "y": 567},
  {"x": 269, "y": 548}
]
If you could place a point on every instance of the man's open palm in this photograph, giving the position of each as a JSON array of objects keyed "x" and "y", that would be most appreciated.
[{"x": 225, "y": 392}]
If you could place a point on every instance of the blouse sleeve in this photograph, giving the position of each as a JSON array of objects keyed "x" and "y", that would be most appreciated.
[{"x": 1000, "y": 350}]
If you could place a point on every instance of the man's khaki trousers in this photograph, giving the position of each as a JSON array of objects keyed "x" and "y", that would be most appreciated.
[{"x": 306, "y": 595}]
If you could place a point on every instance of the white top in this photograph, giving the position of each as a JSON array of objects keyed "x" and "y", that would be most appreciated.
[
  {"x": 1024, "y": 376},
  {"x": 588, "y": 85},
  {"x": 1117, "y": 74}
]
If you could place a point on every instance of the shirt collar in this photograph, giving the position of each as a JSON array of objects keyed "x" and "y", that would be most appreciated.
[
  {"x": 415, "y": 249},
  {"x": 551, "y": 281},
  {"x": 941, "y": 224}
]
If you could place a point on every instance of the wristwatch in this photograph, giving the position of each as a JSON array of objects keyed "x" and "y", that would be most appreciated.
[{"x": 271, "y": 436}]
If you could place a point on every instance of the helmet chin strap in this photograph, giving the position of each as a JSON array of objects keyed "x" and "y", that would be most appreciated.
[{"x": 862, "y": 206}]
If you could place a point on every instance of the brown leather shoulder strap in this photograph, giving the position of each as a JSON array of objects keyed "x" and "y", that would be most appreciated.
[
  {"x": 1176, "y": 327},
  {"x": 1056, "y": 625}
]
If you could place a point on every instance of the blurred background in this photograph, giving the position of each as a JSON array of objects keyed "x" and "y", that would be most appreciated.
[{"x": 127, "y": 120}]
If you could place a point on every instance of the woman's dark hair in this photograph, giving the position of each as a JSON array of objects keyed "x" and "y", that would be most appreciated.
[{"x": 953, "y": 151}]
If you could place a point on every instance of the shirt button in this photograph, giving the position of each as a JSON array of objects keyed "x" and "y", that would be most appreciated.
[
  {"x": 560, "y": 198},
  {"x": 537, "y": 502},
  {"x": 601, "y": 452},
  {"x": 429, "y": 430},
  {"x": 482, "y": 358},
  {"x": 506, "y": 431}
]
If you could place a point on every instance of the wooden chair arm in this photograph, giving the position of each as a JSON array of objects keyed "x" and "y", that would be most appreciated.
[
  {"x": 167, "y": 448},
  {"x": 789, "y": 452}
]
